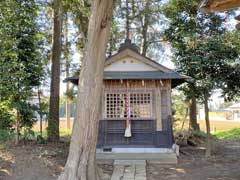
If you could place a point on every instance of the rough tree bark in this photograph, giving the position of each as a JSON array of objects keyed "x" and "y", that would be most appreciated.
[
  {"x": 81, "y": 159},
  {"x": 208, "y": 140},
  {"x": 53, "y": 123},
  {"x": 193, "y": 115}
]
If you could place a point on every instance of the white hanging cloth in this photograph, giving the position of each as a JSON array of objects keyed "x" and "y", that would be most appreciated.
[{"x": 128, "y": 112}]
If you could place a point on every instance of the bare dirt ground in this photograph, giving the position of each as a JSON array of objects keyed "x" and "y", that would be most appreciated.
[
  {"x": 223, "y": 165},
  {"x": 45, "y": 162},
  {"x": 32, "y": 161}
]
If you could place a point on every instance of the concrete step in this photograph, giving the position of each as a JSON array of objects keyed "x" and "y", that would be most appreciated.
[
  {"x": 130, "y": 162},
  {"x": 163, "y": 158}
]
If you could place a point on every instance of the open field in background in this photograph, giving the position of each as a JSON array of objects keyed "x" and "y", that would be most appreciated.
[
  {"x": 222, "y": 129},
  {"x": 216, "y": 125},
  {"x": 62, "y": 124},
  {"x": 219, "y": 125}
]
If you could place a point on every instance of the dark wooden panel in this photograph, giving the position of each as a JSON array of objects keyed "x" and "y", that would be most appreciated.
[
  {"x": 144, "y": 134},
  {"x": 100, "y": 140},
  {"x": 112, "y": 132},
  {"x": 164, "y": 138}
]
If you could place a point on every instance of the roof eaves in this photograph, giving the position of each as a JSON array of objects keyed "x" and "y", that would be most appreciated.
[{"x": 210, "y": 6}]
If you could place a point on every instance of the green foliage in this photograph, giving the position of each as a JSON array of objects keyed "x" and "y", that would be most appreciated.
[
  {"x": 180, "y": 106},
  {"x": 43, "y": 110},
  {"x": 26, "y": 118},
  {"x": 80, "y": 13},
  {"x": 233, "y": 134},
  {"x": 27, "y": 115},
  {"x": 28, "y": 134},
  {"x": 6, "y": 117},
  {"x": 202, "y": 48},
  {"x": 180, "y": 110},
  {"x": 21, "y": 62},
  {"x": 146, "y": 25},
  {"x": 41, "y": 140},
  {"x": 116, "y": 35},
  {"x": 6, "y": 134}
]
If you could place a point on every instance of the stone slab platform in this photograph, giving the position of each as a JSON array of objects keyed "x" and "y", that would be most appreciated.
[{"x": 129, "y": 170}]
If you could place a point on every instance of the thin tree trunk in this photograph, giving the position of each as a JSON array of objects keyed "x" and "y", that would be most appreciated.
[
  {"x": 144, "y": 43},
  {"x": 53, "y": 123},
  {"x": 133, "y": 8},
  {"x": 193, "y": 115},
  {"x": 127, "y": 21},
  {"x": 185, "y": 118},
  {"x": 40, "y": 110},
  {"x": 17, "y": 127},
  {"x": 67, "y": 64},
  {"x": 81, "y": 159},
  {"x": 208, "y": 140},
  {"x": 111, "y": 44},
  {"x": 68, "y": 110}
]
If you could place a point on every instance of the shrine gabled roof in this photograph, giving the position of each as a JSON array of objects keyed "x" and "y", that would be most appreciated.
[
  {"x": 129, "y": 50},
  {"x": 143, "y": 59},
  {"x": 128, "y": 63},
  {"x": 176, "y": 78}
]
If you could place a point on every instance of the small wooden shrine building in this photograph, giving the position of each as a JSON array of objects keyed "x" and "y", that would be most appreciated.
[{"x": 136, "y": 101}]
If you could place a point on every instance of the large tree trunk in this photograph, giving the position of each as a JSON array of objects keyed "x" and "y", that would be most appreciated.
[
  {"x": 193, "y": 115},
  {"x": 208, "y": 140},
  {"x": 53, "y": 123},
  {"x": 67, "y": 64},
  {"x": 81, "y": 159}
]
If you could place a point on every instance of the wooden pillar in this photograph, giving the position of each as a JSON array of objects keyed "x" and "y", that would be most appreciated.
[
  {"x": 165, "y": 89},
  {"x": 102, "y": 109},
  {"x": 158, "y": 107},
  {"x": 169, "y": 99}
]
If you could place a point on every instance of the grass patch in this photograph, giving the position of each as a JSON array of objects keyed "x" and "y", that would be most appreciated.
[
  {"x": 2, "y": 146},
  {"x": 233, "y": 134},
  {"x": 65, "y": 134},
  {"x": 6, "y": 135}
]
